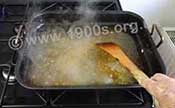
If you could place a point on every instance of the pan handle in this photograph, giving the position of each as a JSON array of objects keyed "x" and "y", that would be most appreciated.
[
  {"x": 155, "y": 28},
  {"x": 4, "y": 65}
]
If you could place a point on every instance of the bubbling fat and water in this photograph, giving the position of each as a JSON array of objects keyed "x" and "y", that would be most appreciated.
[{"x": 78, "y": 62}]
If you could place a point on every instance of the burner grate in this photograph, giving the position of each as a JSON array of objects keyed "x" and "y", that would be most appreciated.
[
  {"x": 104, "y": 6},
  {"x": 100, "y": 97}
]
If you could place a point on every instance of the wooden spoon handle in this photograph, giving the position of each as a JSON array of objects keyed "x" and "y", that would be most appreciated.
[
  {"x": 115, "y": 51},
  {"x": 139, "y": 76}
]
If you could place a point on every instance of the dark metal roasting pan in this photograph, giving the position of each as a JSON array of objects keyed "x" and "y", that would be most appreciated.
[{"x": 146, "y": 48}]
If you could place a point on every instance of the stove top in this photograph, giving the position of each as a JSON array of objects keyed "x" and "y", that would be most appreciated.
[{"x": 12, "y": 14}]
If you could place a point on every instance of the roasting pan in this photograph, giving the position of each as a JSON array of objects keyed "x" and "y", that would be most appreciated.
[{"x": 149, "y": 57}]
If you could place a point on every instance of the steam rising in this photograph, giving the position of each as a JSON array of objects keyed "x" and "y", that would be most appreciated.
[{"x": 72, "y": 62}]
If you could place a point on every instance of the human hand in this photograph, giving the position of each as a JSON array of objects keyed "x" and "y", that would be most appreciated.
[{"x": 162, "y": 88}]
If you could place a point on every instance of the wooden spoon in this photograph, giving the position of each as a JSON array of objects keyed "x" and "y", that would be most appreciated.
[{"x": 115, "y": 51}]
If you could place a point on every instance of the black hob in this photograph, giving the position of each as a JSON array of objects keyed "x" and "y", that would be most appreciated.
[{"x": 12, "y": 14}]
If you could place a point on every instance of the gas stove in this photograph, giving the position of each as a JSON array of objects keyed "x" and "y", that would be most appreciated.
[{"x": 12, "y": 14}]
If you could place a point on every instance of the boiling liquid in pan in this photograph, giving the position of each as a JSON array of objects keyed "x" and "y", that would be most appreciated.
[{"x": 78, "y": 62}]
